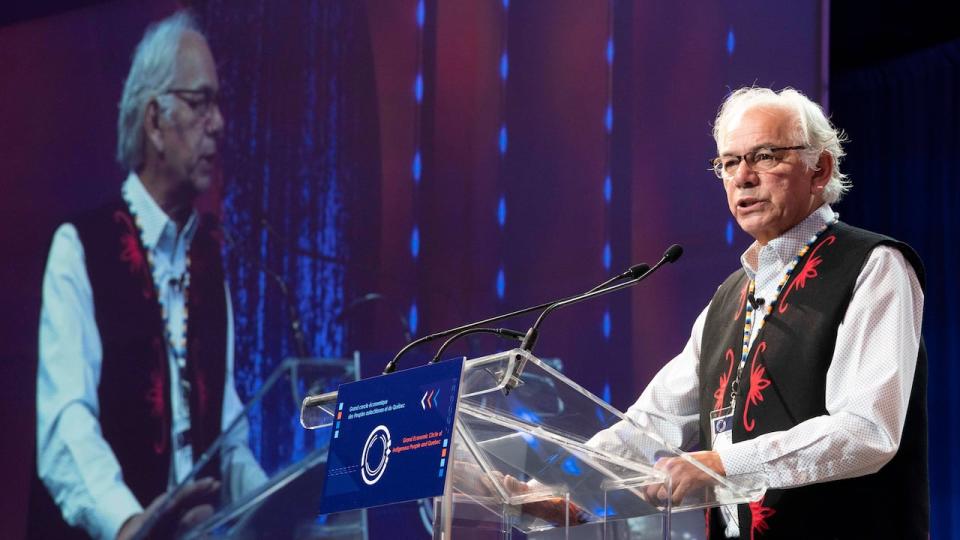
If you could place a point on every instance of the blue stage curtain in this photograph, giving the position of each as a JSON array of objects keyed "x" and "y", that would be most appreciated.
[
  {"x": 903, "y": 119},
  {"x": 300, "y": 186}
]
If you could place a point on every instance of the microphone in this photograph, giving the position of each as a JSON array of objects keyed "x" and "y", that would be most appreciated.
[
  {"x": 671, "y": 255},
  {"x": 754, "y": 301},
  {"x": 392, "y": 364},
  {"x": 530, "y": 340}
]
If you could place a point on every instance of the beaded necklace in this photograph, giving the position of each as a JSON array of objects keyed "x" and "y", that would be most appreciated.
[
  {"x": 768, "y": 309},
  {"x": 177, "y": 346}
]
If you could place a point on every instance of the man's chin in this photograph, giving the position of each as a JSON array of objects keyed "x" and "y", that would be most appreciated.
[{"x": 752, "y": 224}]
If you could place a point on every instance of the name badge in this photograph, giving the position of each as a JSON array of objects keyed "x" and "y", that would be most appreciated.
[{"x": 721, "y": 422}]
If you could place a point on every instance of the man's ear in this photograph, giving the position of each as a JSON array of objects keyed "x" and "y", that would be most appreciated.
[
  {"x": 822, "y": 174},
  {"x": 151, "y": 126}
]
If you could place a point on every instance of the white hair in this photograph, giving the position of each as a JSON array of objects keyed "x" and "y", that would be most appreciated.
[
  {"x": 813, "y": 129},
  {"x": 151, "y": 74}
]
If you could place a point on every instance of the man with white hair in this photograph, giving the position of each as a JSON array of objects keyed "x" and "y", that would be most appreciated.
[
  {"x": 807, "y": 371},
  {"x": 130, "y": 392}
]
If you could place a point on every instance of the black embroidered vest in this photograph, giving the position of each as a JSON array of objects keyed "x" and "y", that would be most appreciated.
[
  {"x": 784, "y": 383},
  {"x": 134, "y": 390}
]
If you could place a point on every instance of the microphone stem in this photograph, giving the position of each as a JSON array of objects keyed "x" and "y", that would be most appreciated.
[
  {"x": 498, "y": 331},
  {"x": 392, "y": 365},
  {"x": 531, "y": 338}
]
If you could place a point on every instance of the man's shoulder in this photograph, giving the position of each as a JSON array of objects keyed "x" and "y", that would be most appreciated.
[
  {"x": 97, "y": 229},
  {"x": 732, "y": 291},
  {"x": 859, "y": 234},
  {"x": 867, "y": 237},
  {"x": 871, "y": 240},
  {"x": 208, "y": 221},
  {"x": 209, "y": 230},
  {"x": 101, "y": 212}
]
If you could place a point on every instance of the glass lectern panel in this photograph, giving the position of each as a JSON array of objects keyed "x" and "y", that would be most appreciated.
[
  {"x": 271, "y": 481},
  {"x": 533, "y": 455}
]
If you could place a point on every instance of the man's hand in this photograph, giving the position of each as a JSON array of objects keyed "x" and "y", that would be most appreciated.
[
  {"x": 556, "y": 510},
  {"x": 684, "y": 476},
  {"x": 169, "y": 516}
]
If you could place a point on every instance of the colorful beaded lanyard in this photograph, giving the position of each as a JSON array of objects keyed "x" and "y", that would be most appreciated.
[
  {"x": 768, "y": 309},
  {"x": 179, "y": 347}
]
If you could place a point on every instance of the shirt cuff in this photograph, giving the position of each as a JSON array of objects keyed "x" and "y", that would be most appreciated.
[
  {"x": 113, "y": 509},
  {"x": 741, "y": 458}
]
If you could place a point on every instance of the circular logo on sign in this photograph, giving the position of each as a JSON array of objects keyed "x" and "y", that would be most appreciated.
[{"x": 375, "y": 455}]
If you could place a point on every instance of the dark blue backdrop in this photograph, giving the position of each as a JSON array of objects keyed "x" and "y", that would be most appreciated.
[{"x": 903, "y": 119}]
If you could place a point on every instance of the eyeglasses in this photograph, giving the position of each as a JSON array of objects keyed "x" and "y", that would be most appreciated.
[
  {"x": 202, "y": 101},
  {"x": 759, "y": 160}
]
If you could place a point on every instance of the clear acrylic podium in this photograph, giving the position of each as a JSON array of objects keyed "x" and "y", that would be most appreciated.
[
  {"x": 533, "y": 453},
  {"x": 276, "y": 496}
]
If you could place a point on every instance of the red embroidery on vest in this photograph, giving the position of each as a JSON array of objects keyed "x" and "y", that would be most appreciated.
[
  {"x": 809, "y": 271},
  {"x": 155, "y": 394},
  {"x": 724, "y": 379},
  {"x": 760, "y": 515},
  {"x": 742, "y": 302},
  {"x": 131, "y": 253},
  {"x": 758, "y": 382},
  {"x": 155, "y": 399}
]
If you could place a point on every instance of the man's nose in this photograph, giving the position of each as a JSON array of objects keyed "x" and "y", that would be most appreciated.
[
  {"x": 216, "y": 122},
  {"x": 744, "y": 175}
]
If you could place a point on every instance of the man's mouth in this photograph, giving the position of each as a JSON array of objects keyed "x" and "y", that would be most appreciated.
[{"x": 748, "y": 203}]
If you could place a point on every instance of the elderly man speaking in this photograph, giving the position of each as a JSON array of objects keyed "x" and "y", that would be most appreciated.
[
  {"x": 129, "y": 390},
  {"x": 810, "y": 354}
]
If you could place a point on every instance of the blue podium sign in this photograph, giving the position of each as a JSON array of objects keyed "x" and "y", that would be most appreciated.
[{"x": 391, "y": 438}]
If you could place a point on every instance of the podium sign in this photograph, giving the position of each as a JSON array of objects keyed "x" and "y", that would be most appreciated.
[{"x": 392, "y": 438}]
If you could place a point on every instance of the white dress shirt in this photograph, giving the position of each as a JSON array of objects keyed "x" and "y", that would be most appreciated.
[
  {"x": 74, "y": 461},
  {"x": 867, "y": 386}
]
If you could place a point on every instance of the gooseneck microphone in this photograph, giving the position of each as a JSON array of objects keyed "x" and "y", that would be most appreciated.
[
  {"x": 392, "y": 364},
  {"x": 530, "y": 340},
  {"x": 293, "y": 316},
  {"x": 672, "y": 254}
]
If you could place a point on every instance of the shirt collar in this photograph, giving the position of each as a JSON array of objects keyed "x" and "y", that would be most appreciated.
[
  {"x": 156, "y": 228},
  {"x": 786, "y": 246}
]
